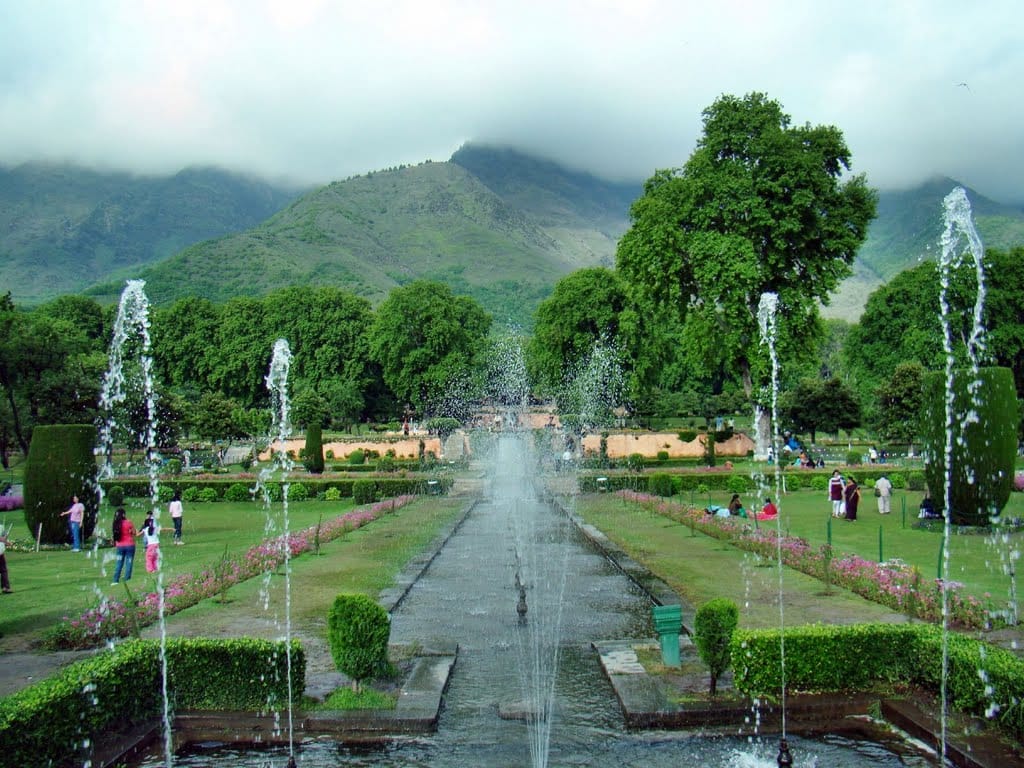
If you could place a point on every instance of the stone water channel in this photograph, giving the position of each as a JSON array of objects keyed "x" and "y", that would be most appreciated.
[{"x": 575, "y": 596}]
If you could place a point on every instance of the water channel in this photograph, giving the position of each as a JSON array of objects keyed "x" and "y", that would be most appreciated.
[{"x": 575, "y": 596}]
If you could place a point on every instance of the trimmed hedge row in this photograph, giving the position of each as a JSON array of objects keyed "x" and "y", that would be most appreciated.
[
  {"x": 235, "y": 489},
  {"x": 739, "y": 482},
  {"x": 49, "y": 722},
  {"x": 835, "y": 658}
]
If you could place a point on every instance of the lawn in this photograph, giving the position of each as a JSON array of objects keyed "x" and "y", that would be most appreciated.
[
  {"x": 51, "y": 584},
  {"x": 700, "y": 567}
]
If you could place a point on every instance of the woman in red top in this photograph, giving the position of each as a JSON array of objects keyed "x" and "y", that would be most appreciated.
[
  {"x": 769, "y": 511},
  {"x": 124, "y": 539}
]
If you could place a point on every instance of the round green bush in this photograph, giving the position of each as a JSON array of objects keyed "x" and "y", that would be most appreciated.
[
  {"x": 298, "y": 492},
  {"x": 115, "y": 495},
  {"x": 190, "y": 494},
  {"x": 358, "y": 631},
  {"x": 898, "y": 480},
  {"x": 854, "y": 458},
  {"x": 687, "y": 435},
  {"x": 332, "y": 494},
  {"x": 274, "y": 491},
  {"x": 364, "y": 491},
  {"x": 386, "y": 464},
  {"x": 661, "y": 484},
  {"x": 358, "y": 456},
  {"x": 60, "y": 464},
  {"x": 164, "y": 494},
  {"x": 208, "y": 494},
  {"x": 915, "y": 481},
  {"x": 237, "y": 492},
  {"x": 635, "y": 462},
  {"x": 662, "y": 455},
  {"x": 714, "y": 625},
  {"x": 737, "y": 484},
  {"x": 703, "y": 488},
  {"x": 174, "y": 466},
  {"x": 819, "y": 483},
  {"x": 794, "y": 481}
]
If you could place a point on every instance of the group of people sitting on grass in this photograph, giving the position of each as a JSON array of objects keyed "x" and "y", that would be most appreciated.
[{"x": 736, "y": 509}]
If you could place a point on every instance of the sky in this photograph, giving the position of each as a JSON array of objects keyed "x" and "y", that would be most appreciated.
[{"x": 318, "y": 90}]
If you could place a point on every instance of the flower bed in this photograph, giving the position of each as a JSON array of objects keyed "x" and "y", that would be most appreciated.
[
  {"x": 113, "y": 618},
  {"x": 893, "y": 584}
]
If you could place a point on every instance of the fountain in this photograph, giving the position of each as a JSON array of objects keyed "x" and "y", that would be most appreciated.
[
  {"x": 281, "y": 465},
  {"x": 131, "y": 332}
]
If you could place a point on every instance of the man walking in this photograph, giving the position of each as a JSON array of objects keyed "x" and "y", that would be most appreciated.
[{"x": 883, "y": 490}]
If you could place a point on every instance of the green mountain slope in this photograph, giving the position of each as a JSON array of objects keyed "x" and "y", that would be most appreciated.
[
  {"x": 435, "y": 220},
  {"x": 61, "y": 226},
  {"x": 908, "y": 230}
]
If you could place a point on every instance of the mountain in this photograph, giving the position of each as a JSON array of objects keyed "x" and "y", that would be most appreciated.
[
  {"x": 495, "y": 224},
  {"x": 908, "y": 230},
  {"x": 63, "y": 226}
]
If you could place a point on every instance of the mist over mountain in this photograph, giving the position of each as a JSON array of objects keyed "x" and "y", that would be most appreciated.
[{"x": 493, "y": 222}]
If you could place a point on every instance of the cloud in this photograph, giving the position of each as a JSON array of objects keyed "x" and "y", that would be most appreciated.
[{"x": 317, "y": 90}]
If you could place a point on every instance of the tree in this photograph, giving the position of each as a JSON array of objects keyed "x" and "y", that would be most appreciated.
[
  {"x": 714, "y": 624},
  {"x": 425, "y": 338},
  {"x": 213, "y": 418},
  {"x": 759, "y": 207},
  {"x": 900, "y": 400},
  {"x": 313, "y": 451},
  {"x": 358, "y": 631},
  {"x": 815, "y": 405},
  {"x": 60, "y": 465}
]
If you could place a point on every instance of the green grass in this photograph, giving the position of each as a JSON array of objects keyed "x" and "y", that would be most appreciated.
[
  {"x": 347, "y": 699},
  {"x": 53, "y": 583},
  {"x": 702, "y": 568}
]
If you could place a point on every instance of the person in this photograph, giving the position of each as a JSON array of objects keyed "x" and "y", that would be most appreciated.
[
  {"x": 176, "y": 511},
  {"x": 736, "y": 506},
  {"x": 883, "y": 490},
  {"x": 124, "y": 540},
  {"x": 5, "y": 581},
  {"x": 851, "y": 497},
  {"x": 150, "y": 534},
  {"x": 769, "y": 511},
  {"x": 835, "y": 493},
  {"x": 927, "y": 509},
  {"x": 872, "y": 455},
  {"x": 75, "y": 514}
]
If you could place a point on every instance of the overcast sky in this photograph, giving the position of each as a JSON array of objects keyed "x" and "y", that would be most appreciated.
[{"x": 318, "y": 90}]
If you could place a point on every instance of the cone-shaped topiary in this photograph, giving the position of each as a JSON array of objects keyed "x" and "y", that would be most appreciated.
[
  {"x": 313, "y": 453},
  {"x": 983, "y": 448},
  {"x": 358, "y": 630},
  {"x": 713, "y": 627},
  {"x": 60, "y": 465}
]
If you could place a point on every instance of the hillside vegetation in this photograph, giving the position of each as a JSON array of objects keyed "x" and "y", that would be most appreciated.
[
  {"x": 493, "y": 223},
  {"x": 62, "y": 227}
]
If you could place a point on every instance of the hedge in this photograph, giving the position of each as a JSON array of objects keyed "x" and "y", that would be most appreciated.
[
  {"x": 831, "y": 658},
  {"x": 741, "y": 482},
  {"x": 200, "y": 490},
  {"x": 48, "y": 722}
]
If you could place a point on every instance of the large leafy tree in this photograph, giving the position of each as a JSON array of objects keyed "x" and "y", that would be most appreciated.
[
  {"x": 760, "y": 206},
  {"x": 427, "y": 340},
  {"x": 900, "y": 403},
  {"x": 815, "y": 405}
]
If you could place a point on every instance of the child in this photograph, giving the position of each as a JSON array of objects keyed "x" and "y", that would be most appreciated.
[{"x": 150, "y": 534}]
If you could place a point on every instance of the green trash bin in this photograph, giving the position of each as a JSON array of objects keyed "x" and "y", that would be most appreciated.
[{"x": 668, "y": 621}]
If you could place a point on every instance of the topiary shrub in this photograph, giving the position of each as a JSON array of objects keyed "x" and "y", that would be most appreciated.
[
  {"x": 358, "y": 631},
  {"x": 208, "y": 494},
  {"x": 853, "y": 458},
  {"x": 714, "y": 625},
  {"x": 298, "y": 492},
  {"x": 898, "y": 480},
  {"x": 364, "y": 491},
  {"x": 794, "y": 481},
  {"x": 115, "y": 495},
  {"x": 313, "y": 453},
  {"x": 60, "y": 465},
  {"x": 174, "y": 466},
  {"x": 237, "y": 492},
  {"x": 660, "y": 484},
  {"x": 687, "y": 435},
  {"x": 662, "y": 455},
  {"x": 358, "y": 456},
  {"x": 915, "y": 481},
  {"x": 709, "y": 449},
  {"x": 332, "y": 494},
  {"x": 635, "y": 462},
  {"x": 190, "y": 494},
  {"x": 984, "y": 447},
  {"x": 819, "y": 483},
  {"x": 703, "y": 488},
  {"x": 386, "y": 464},
  {"x": 737, "y": 484},
  {"x": 164, "y": 494}
]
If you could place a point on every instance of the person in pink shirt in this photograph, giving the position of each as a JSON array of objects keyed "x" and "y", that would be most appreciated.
[
  {"x": 75, "y": 514},
  {"x": 124, "y": 539}
]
